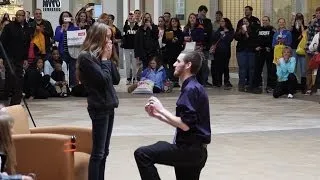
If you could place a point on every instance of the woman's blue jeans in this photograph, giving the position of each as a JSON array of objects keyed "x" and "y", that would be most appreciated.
[
  {"x": 301, "y": 65},
  {"x": 102, "y": 124},
  {"x": 246, "y": 63}
]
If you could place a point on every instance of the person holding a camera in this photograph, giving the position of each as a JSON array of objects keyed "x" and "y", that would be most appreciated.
[{"x": 66, "y": 24}]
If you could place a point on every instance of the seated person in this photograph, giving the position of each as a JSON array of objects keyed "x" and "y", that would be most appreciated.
[
  {"x": 287, "y": 81},
  {"x": 154, "y": 72},
  {"x": 59, "y": 77},
  {"x": 49, "y": 65},
  {"x": 36, "y": 82},
  {"x": 7, "y": 155}
]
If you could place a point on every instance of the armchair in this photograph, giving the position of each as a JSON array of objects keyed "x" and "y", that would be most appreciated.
[{"x": 83, "y": 142}]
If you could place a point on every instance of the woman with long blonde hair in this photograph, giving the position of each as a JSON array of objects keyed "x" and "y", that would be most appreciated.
[
  {"x": 98, "y": 73},
  {"x": 7, "y": 150}
]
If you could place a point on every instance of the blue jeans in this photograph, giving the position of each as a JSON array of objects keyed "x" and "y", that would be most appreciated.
[
  {"x": 71, "y": 62},
  {"x": 246, "y": 63},
  {"x": 102, "y": 124},
  {"x": 301, "y": 63}
]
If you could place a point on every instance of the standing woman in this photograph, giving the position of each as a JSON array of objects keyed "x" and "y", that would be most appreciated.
[
  {"x": 246, "y": 37},
  {"x": 222, "y": 39},
  {"x": 298, "y": 30},
  {"x": 99, "y": 73},
  {"x": 82, "y": 20},
  {"x": 194, "y": 32},
  {"x": 173, "y": 38},
  {"x": 66, "y": 24}
]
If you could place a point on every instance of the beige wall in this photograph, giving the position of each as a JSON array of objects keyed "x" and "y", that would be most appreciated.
[
  {"x": 28, "y": 6},
  {"x": 192, "y": 6},
  {"x": 169, "y": 6},
  {"x": 149, "y": 7}
]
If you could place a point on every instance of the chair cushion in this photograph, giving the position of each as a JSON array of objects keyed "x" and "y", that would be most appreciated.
[{"x": 81, "y": 164}]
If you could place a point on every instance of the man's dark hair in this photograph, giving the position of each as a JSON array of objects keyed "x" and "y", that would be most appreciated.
[
  {"x": 220, "y": 13},
  {"x": 194, "y": 58},
  {"x": 249, "y": 7},
  {"x": 202, "y": 7},
  {"x": 318, "y": 9},
  {"x": 111, "y": 16},
  {"x": 167, "y": 13},
  {"x": 137, "y": 10}
]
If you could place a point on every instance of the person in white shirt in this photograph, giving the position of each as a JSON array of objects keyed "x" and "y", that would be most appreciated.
[{"x": 50, "y": 64}]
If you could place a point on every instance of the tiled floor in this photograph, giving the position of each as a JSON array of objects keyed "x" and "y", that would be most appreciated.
[{"x": 254, "y": 136}]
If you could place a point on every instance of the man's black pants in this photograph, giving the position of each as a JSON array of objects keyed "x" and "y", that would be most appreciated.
[
  {"x": 14, "y": 83},
  {"x": 188, "y": 160},
  {"x": 263, "y": 57}
]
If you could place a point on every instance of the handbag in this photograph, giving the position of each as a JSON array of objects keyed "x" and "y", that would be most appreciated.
[
  {"x": 302, "y": 44},
  {"x": 277, "y": 54},
  {"x": 314, "y": 62},
  {"x": 214, "y": 47}
]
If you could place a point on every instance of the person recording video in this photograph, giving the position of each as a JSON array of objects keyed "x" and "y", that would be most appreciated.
[{"x": 15, "y": 39}]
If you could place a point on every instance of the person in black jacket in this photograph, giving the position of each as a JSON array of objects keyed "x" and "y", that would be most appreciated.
[
  {"x": 246, "y": 45},
  {"x": 16, "y": 40},
  {"x": 129, "y": 32},
  {"x": 146, "y": 41},
  {"x": 36, "y": 82},
  {"x": 43, "y": 26},
  {"x": 173, "y": 38},
  {"x": 98, "y": 74},
  {"x": 264, "y": 54},
  {"x": 221, "y": 47},
  {"x": 207, "y": 26},
  {"x": 254, "y": 21},
  {"x": 298, "y": 31}
]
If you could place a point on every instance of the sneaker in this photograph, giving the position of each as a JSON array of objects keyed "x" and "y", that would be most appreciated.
[
  {"x": 241, "y": 89},
  {"x": 228, "y": 86},
  {"x": 256, "y": 90},
  {"x": 207, "y": 84},
  {"x": 269, "y": 90},
  {"x": 128, "y": 82},
  {"x": 290, "y": 96},
  {"x": 308, "y": 93}
]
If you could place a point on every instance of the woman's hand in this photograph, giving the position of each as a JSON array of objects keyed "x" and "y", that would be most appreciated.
[
  {"x": 107, "y": 51},
  {"x": 27, "y": 178}
]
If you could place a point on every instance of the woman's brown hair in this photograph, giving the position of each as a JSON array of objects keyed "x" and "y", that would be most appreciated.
[
  {"x": 103, "y": 18},
  {"x": 95, "y": 41},
  {"x": 6, "y": 144}
]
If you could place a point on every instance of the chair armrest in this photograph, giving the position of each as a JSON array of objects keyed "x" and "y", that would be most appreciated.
[
  {"x": 83, "y": 135},
  {"x": 44, "y": 155}
]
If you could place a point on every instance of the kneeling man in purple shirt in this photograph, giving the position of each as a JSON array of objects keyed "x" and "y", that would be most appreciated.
[{"x": 188, "y": 152}]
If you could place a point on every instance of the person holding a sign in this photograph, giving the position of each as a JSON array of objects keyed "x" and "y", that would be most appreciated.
[
  {"x": 66, "y": 25},
  {"x": 97, "y": 72}
]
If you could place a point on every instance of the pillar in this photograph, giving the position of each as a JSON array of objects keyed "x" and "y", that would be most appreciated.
[
  {"x": 157, "y": 10},
  {"x": 213, "y": 8}
]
